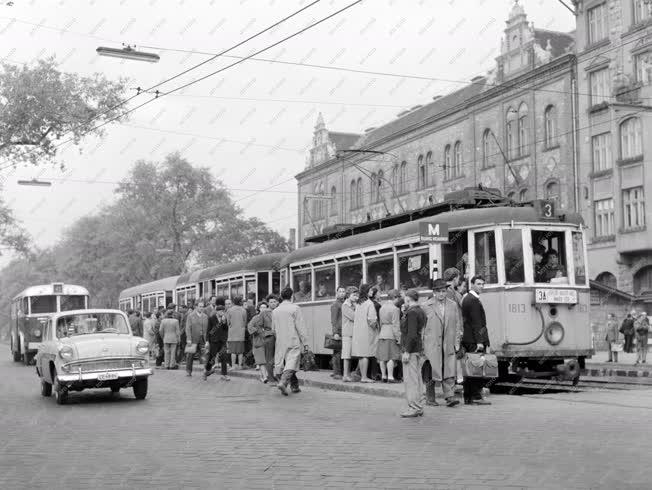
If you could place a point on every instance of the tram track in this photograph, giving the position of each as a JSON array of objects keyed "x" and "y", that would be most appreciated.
[{"x": 533, "y": 387}]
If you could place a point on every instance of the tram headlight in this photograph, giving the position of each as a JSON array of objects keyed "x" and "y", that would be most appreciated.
[{"x": 554, "y": 333}]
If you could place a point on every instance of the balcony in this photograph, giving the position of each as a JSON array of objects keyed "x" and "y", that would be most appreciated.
[{"x": 628, "y": 94}]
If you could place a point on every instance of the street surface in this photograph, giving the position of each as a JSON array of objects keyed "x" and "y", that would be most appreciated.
[{"x": 241, "y": 434}]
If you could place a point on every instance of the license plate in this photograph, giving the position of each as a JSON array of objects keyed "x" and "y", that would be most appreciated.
[
  {"x": 107, "y": 376},
  {"x": 564, "y": 296}
]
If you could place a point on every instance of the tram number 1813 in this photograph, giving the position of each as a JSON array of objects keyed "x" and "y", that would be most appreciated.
[{"x": 516, "y": 307}]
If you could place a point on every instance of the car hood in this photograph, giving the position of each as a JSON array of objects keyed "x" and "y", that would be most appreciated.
[{"x": 102, "y": 345}]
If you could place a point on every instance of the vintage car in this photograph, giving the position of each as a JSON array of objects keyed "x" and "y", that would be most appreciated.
[{"x": 91, "y": 348}]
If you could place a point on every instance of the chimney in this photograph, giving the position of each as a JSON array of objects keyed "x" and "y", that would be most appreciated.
[{"x": 293, "y": 239}]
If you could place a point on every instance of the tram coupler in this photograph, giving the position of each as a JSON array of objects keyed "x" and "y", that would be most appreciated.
[{"x": 569, "y": 371}]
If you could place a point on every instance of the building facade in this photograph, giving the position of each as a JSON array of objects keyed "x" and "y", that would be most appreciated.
[
  {"x": 511, "y": 129},
  {"x": 614, "y": 56}
]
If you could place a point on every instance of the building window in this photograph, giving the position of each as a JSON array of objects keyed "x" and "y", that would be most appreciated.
[
  {"x": 353, "y": 198},
  {"x": 447, "y": 163},
  {"x": 333, "y": 201},
  {"x": 522, "y": 196},
  {"x": 601, "y": 144},
  {"x": 510, "y": 130},
  {"x": 402, "y": 182},
  {"x": 430, "y": 168},
  {"x": 641, "y": 11},
  {"x": 597, "y": 17},
  {"x": 608, "y": 279},
  {"x": 395, "y": 179},
  {"x": 422, "y": 173},
  {"x": 373, "y": 187},
  {"x": 633, "y": 208},
  {"x": 643, "y": 280},
  {"x": 604, "y": 218},
  {"x": 486, "y": 148},
  {"x": 643, "y": 68},
  {"x": 599, "y": 86},
  {"x": 522, "y": 130},
  {"x": 457, "y": 163},
  {"x": 630, "y": 138},
  {"x": 380, "y": 181},
  {"x": 359, "y": 194},
  {"x": 550, "y": 118},
  {"x": 552, "y": 192},
  {"x": 321, "y": 212}
]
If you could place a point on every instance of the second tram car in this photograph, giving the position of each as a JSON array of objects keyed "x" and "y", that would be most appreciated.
[{"x": 149, "y": 296}]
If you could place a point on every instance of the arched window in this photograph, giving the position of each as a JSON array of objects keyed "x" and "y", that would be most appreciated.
[
  {"x": 333, "y": 201},
  {"x": 447, "y": 162},
  {"x": 421, "y": 173},
  {"x": 630, "y": 138},
  {"x": 321, "y": 202},
  {"x": 394, "y": 180},
  {"x": 373, "y": 188},
  {"x": 550, "y": 128},
  {"x": 359, "y": 194},
  {"x": 315, "y": 203},
  {"x": 552, "y": 192},
  {"x": 354, "y": 200},
  {"x": 510, "y": 131},
  {"x": 607, "y": 278},
  {"x": 486, "y": 147},
  {"x": 522, "y": 196},
  {"x": 380, "y": 182},
  {"x": 643, "y": 280},
  {"x": 457, "y": 163},
  {"x": 523, "y": 130},
  {"x": 402, "y": 181},
  {"x": 430, "y": 168}
]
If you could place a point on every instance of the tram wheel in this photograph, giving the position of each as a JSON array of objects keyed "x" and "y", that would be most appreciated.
[{"x": 576, "y": 381}]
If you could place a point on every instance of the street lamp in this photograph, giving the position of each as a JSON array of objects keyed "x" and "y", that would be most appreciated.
[
  {"x": 128, "y": 53},
  {"x": 35, "y": 182}
]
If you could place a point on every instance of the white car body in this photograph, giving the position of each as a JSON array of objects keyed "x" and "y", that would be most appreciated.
[{"x": 91, "y": 360}]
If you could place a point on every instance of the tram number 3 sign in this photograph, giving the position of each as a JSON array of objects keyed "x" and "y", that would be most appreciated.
[
  {"x": 433, "y": 232},
  {"x": 564, "y": 296}
]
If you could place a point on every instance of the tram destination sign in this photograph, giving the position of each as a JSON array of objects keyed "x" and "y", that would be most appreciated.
[
  {"x": 433, "y": 232},
  {"x": 562, "y": 296}
]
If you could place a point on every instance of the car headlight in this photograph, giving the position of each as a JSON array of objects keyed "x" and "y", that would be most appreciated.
[
  {"x": 554, "y": 333},
  {"x": 36, "y": 332},
  {"x": 66, "y": 352},
  {"x": 142, "y": 347}
]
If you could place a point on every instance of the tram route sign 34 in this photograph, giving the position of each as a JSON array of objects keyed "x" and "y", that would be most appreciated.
[{"x": 433, "y": 232}]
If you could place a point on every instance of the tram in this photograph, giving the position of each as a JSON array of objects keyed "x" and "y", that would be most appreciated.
[
  {"x": 30, "y": 310},
  {"x": 538, "y": 327},
  {"x": 149, "y": 296}
]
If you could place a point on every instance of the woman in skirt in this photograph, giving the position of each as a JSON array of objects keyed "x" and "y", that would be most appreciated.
[
  {"x": 236, "y": 317},
  {"x": 259, "y": 325},
  {"x": 389, "y": 338}
]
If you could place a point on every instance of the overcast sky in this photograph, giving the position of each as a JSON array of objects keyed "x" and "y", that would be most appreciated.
[{"x": 252, "y": 123}]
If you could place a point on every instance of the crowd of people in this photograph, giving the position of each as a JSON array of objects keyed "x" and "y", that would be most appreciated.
[
  {"x": 635, "y": 329},
  {"x": 400, "y": 339}
]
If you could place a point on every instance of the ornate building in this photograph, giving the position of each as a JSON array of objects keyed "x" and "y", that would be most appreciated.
[
  {"x": 614, "y": 52},
  {"x": 511, "y": 129}
]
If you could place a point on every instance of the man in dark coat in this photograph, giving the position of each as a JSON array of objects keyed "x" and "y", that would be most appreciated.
[
  {"x": 627, "y": 329},
  {"x": 218, "y": 332},
  {"x": 412, "y": 325},
  {"x": 336, "y": 324},
  {"x": 475, "y": 337}
]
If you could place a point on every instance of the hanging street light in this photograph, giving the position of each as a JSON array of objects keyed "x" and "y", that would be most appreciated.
[
  {"x": 128, "y": 53},
  {"x": 35, "y": 182}
]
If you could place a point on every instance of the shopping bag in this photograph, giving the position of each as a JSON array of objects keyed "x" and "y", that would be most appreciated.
[
  {"x": 191, "y": 349},
  {"x": 617, "y": 346},
  {"x": 331, "y": 343}
]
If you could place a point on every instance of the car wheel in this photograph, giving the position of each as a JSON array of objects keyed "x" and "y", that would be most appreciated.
[
  {"x": 60, "y": 392},
  {"x": 46, "y": 388},
  {"x": 140, "y": 389},
  {"x": 16, "y": 353}
]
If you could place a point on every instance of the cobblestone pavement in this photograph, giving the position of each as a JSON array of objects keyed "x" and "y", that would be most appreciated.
[{"x": 242, "y": 434}]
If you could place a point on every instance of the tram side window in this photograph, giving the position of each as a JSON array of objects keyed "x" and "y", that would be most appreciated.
[
  {"x": 549, "y": 252},
  {"x": 485, "y": 256},
  {"x": 44, "y": 304},
  {"x": 414, "y": 270},
  {"x": 251, "y": 286},
  {"x": 325, "y": 280},
  {"x": 263, "y": 285},
  {"x": 351, "y": 274},
  {"x": 578, "y": 258},
  {"x": 302, "y": 286},
  {"x": 380, "y": 273},
  {"x": 276, "y": 282},
  {"x": 237, "y": 289},
  {"x": 455, "y": 253},
  {"x": 513, "y": 253}
]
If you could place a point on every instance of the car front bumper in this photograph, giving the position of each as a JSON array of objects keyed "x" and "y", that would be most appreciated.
[{"x": 116, "y": 376}]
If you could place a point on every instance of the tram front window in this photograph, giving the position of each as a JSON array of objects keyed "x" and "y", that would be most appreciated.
[
  {"x": 380, "y": 273},
  {"x": 414, "y": 270},
  {"x": 455, "y": 252},
  {"x": 485, "y": 256},
  {"x": 549, "y": 252},
  {"x": 302, "y": 287},
  {"x": 513, "y": 253}
]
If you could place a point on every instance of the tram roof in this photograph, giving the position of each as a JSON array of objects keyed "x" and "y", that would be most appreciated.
[
  {"x": 461, "y": 218},
  {"x": 166, "y": 284},
  {"x": 48, "y": 289},
  {"x": 258, "y": 263}
]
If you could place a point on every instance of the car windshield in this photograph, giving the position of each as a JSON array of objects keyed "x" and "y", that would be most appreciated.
[{"x": 73, "y": 325}]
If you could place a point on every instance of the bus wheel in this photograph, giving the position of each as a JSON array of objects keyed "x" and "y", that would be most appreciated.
[{"x": 46, "y": 388}]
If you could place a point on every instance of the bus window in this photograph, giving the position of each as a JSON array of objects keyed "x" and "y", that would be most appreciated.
[
  {"x": 301, "y": 283},
  {"x": 485, "y": 256},
  {"x": 513, "y": 254},
  {"x": 380, "y": 273},
  {"x": 44, "y": 304},
  {"x": 455, "y": 253},
  {"x": 75, "y": 302},
  {"x": 25, "y": 306},
  {"x": 550, "y": 263},
  {"x": 414, "y": 270},
  {"x": 325, "y": 281},
  {"x": 351, "y": 274},
  {"x": 578, "y": 259}
]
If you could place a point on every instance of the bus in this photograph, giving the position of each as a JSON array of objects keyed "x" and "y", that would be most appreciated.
[
  {"x": 30, "y": 310},
  {"x": 538, "y": 326},
  {"x": 149, "y": 296}
]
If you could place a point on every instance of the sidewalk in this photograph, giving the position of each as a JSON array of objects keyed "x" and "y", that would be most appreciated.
[{"x": 625, "y": 367}]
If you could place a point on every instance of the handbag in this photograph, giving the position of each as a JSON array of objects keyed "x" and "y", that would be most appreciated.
[
  {"x": 617, "y": 346},
  {"x": 307, "y": 360},
  {"x": 332, "y": 343},
  {"x": 480, "y": 365},
  {"x": 191, "y": 349}
]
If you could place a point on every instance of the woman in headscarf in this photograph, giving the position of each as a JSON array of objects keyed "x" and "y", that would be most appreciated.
[{"x": 365, "y": 332}]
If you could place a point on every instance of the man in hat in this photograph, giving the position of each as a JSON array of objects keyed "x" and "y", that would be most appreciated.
[
  {"x": 441, "y": 340},
  {"x": 453, "y": 278},
  {"x": 412, "y": 325}
]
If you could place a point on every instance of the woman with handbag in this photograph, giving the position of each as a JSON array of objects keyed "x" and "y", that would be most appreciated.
[
  {"x": 365, "y": 332},
  {"x": 257, "y": 327},
  {"x": 612, "y": 338}
]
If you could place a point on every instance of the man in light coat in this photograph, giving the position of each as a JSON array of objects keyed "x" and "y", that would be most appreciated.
[
  {"x": 441, "y": 340},
  {"x": 291, "y": 340},
  {"x": 612, "y": 337},
  {"x": 196, "y": 328}
]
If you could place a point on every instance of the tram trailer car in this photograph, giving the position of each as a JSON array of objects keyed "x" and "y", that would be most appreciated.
[
  {"x": 149, "y": 296},
  {"x": 538, "y": 327},
  {"x": 30, "y": 310}
]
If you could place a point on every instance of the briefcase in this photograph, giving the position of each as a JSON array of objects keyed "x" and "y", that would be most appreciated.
[
  {"x": 480, "y": 365},
  {"x": 617, "y": 346},
  {"x": 331, "y": 343},
  {"x": 191, "y": 349}
]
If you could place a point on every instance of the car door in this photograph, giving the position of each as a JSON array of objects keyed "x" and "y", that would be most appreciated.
[{"x": 44, "y": 354}]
